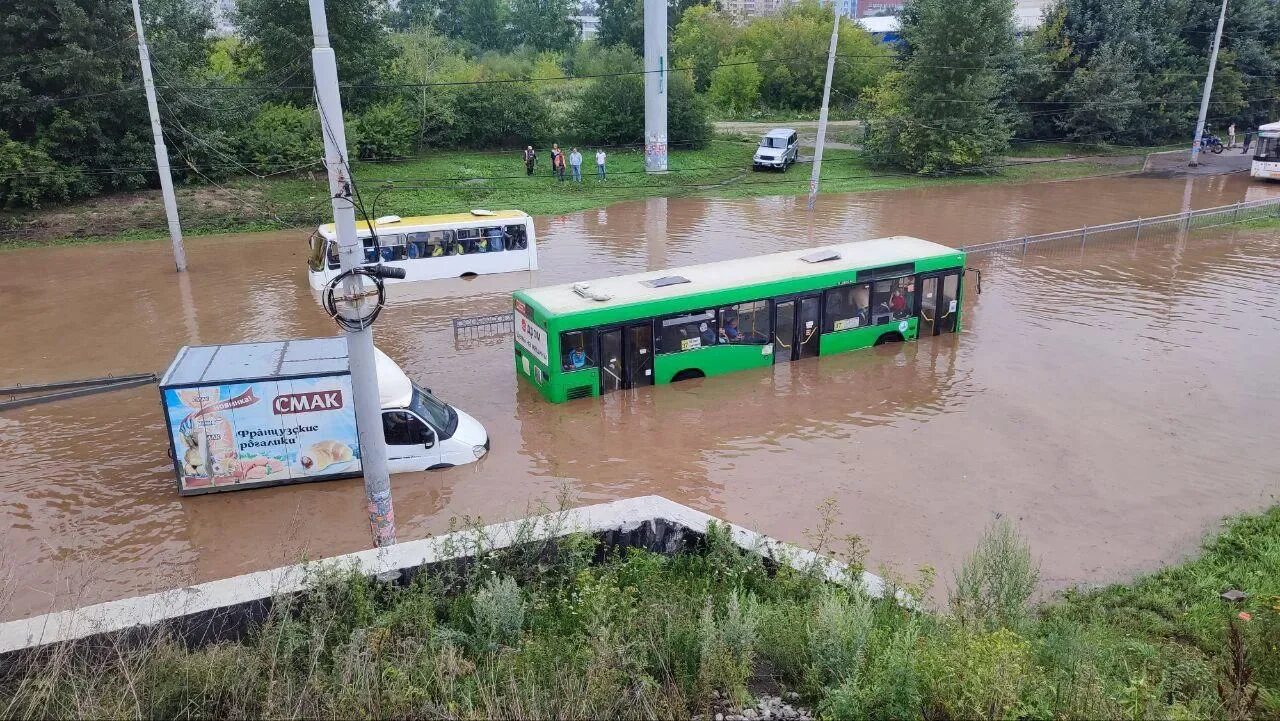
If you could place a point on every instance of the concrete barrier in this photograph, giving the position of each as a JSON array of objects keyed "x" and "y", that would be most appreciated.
[{"x": 224, "y": 609}]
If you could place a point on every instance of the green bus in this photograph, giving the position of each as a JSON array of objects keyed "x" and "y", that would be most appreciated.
[{"x": 583, "y": 339}]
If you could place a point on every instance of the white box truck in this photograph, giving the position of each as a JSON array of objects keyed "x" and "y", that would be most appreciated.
[{"x": 248, "y": 415}]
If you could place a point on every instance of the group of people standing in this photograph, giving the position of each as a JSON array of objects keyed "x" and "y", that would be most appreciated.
[{"x": 559, "y": 160}]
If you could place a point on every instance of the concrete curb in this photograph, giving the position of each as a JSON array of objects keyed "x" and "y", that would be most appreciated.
[{"x": 651, "y": 521}]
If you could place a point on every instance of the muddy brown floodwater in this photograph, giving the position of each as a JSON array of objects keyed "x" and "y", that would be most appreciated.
[{"x": 1116, "y": 401}]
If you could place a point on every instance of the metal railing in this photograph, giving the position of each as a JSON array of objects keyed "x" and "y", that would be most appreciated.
[
  {"x": 1183, "y": 222},
  {"x": 483, "y": 326}
]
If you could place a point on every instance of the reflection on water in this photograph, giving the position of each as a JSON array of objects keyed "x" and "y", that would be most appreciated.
[{"x": 1115, "y": 400}]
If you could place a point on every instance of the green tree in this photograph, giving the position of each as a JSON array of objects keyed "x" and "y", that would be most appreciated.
[
  {"x": 29, "y": 177},
  {"x": 443, "y": 16},
  {"x": 385, "y": 131},
  {"x": 498, "y": 116},
  {"x": 622, "y": 23},
  {"x": 591, "y": 58},
  {"x": 943, "y": 112},
  {"x": 791, "y": 48},
  {"x": 543, "y": 24},
  {"x": 282, "y": 136},
  {"x": 279, "y": 31},
  {"x": 611, "y": 112},
  {"x": 484, "y": 24},
  {"x": 701, "y": 38},
  {"x": 735, "y": 86},
  {"x": 1101, "y": 98}
]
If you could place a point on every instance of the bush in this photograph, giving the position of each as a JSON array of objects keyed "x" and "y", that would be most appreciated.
[
  {"x": 611, "y": 112},
  {"x": 497, "y": 614},
  {"x": 497, "y": 115},
  {"x": 29, "y": 176},
  {"x": 996, "y": 581},
  {"x": 280, "y": 136},
  {"x": 384, "y": 131},
  {"x": 735, "y": 86},
  {"x": 839, "y": 634}
]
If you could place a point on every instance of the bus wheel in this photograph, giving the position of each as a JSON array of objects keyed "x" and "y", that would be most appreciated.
[
  {"x": 440, "y": 466},
  {"x": 688, "y": 374},
  {"x": 469, "y": 275},
  {"x": 889, "y": 338}
]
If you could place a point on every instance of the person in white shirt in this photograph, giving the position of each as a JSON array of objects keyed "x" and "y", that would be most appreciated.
[
  {"x": 1231, "y": 136},
  {"x": 600, "y": 163}
]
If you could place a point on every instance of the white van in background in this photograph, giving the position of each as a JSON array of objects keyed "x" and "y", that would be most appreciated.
[{"x": 779, "y": 148}]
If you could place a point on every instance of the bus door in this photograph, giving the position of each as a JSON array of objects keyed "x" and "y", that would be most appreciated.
[
  {"x": 638, "y": 344},
  {"x": 795, "y": 328},
  {"x": 939, "y": 303},
  {"x": 626, "y": 357}
]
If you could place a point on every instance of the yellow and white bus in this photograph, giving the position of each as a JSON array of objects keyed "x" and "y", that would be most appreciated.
[{"x": 432, "y": 247}]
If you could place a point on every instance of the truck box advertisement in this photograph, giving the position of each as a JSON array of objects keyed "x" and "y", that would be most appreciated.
[{"x": 231, "y": 436}]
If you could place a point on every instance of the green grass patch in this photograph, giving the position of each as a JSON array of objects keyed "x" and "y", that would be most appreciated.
[
  {"x": 1031, "y": 149},
  {"x": 454, "y": 181},
  {"x": 549, "y": 631}
]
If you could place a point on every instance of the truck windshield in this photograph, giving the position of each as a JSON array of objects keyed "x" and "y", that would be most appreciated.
[{"x": 435, "y": 411}]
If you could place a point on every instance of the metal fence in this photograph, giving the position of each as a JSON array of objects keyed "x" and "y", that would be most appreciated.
[
  {"x": 1183, "y": 222},
  {"x": 501, "y": 324},
  {"x": 483, "y": 326}
]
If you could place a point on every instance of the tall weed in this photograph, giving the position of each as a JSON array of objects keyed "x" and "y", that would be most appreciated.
[{"x": 996, "y": 581}]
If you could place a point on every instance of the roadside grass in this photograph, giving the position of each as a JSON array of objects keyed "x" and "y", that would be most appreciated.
[
  {"x": 1033, "y": 149},
  {"x": 556, "y": 631},
  {"x": 453, "y": 181}
]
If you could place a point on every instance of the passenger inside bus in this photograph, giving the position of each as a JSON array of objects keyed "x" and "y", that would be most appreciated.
[
  {"x": 573, "y": 345},
  {"x": 516, "y": 238},
  {"x": 495, "y": 239}
]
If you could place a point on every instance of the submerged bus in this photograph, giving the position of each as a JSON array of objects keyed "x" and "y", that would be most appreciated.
[
  {"x": 585, "y": 339},
  {"x": 433, "y": 247},
  {"x": 1266, "y": 154}
]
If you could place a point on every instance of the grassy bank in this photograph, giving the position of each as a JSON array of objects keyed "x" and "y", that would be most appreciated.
[
  {"x": 454, "y": 181},
  {"x": 547, "y": 633}
]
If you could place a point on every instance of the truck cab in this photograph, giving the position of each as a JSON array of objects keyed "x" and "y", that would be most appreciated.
[{"x": 423, "y": 432}]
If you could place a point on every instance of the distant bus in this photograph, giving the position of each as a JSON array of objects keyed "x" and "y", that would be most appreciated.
[
  {"x": 1266, "y": 153},
  {"x": 434, "y": 246},
  {"x": 585, "y": 339}
]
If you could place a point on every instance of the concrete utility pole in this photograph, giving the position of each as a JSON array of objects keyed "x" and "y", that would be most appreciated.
[
  {"x": 364, "y": 375},
  {"x": 822, "y": 115},
  {"x": 162, "y": 153},
  {"x": 655, "y": 86},
  {"x": 1208, "y": 88}
]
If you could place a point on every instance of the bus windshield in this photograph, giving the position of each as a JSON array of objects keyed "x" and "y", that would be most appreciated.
[{"x": 1268, "y": 149}]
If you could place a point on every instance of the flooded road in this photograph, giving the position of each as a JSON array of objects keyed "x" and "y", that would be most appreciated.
[{"x": 1116, "y": 400}]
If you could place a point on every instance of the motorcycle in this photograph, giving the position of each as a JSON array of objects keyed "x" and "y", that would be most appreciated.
[{"x": 1213, "y": 144}]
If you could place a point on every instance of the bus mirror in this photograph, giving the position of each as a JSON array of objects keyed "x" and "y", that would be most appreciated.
[{"x": 978, "y": 287}]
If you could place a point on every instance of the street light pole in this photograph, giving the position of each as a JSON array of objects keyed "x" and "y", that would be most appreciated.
[
  {"x": 364, "y": 374},
  {"x": 655, "y": 86},
  {"x": 822, "y": 115},
  {"x": 162, "y": 153},
  {"x": 1208, "y": 88}
]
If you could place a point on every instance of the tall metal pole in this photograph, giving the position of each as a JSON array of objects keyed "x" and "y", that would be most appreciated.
[
  {"x": 364, "y": 375},
  {"x": 1208, "y": 88},
  {"x": 162, "y": 153},
  {"x": 822, "y": 115},
  {"x": 655, "y": 86}
]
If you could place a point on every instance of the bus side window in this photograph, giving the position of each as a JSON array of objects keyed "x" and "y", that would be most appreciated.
[
  {"x": 578, "y": 349},
  {"x": 392, "y": 247},
  {"x": 687, "y": 332},
  {"x": 847, "y": 307},
  {"x": 493, "y": 237},
  {"x": 417, "y": 247},
  {"x": 370, "y": 253},
  {"x": 334, "y": 261},
  {"x": 515, "y": 237},
  {"x": 746, "y": 323},
  {"x": 880, "y": 294}
]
